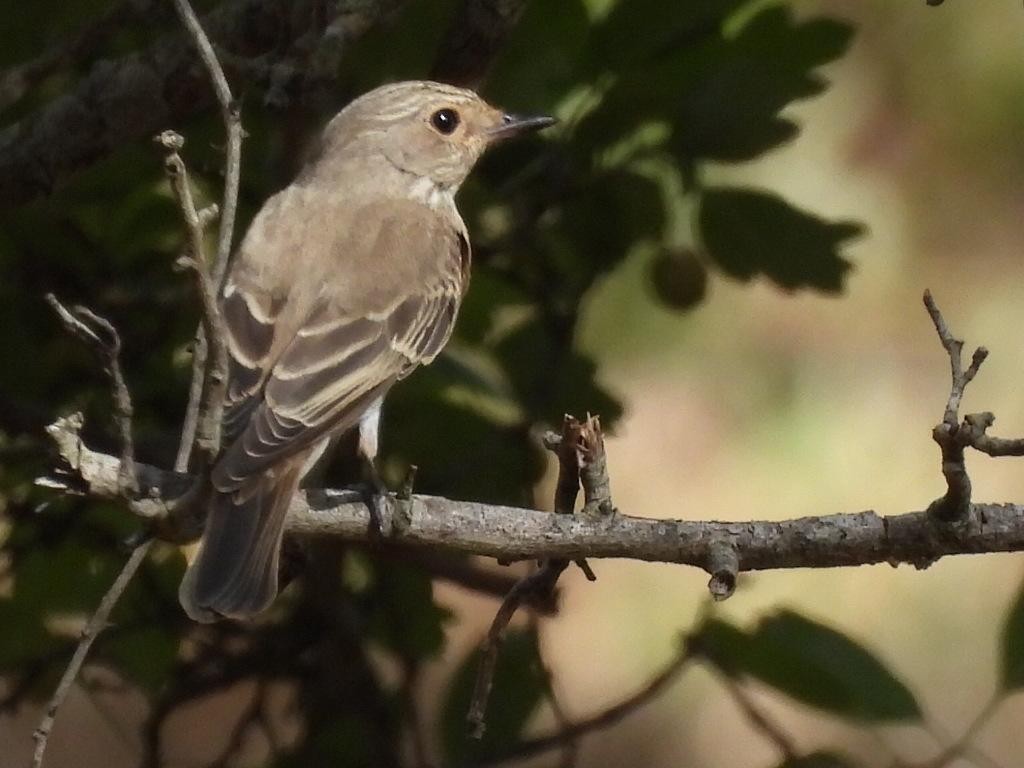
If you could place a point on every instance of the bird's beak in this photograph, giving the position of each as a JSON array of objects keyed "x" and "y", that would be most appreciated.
[{"x": 515, "y": 125}]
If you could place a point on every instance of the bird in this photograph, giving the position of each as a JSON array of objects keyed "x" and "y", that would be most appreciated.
[{"x": 345, "y": 281}]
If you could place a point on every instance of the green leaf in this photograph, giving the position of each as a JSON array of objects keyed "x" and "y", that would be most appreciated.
[
  {"x": 145, "y": 655},
  {"x": 518, "y": 687},
  {"x": 636, "y": 32},
  {"x": 721, "y": 96},
  {"x": 803, "y": 44},
  {"x": 731, "y": 113},
  {"x": 405, "y": 618},
  {"x": 811, "y": 663},
  {"x": 549, "y": 380},
  {"x": 1012, "y": 674},
  {"x": 540, "y": 62},
  {"x": 617, "y": 210},
  {"x": 749, "y": 232},
  {"x": 64, "y": 581},
  {"x": 457, "y": 443}
]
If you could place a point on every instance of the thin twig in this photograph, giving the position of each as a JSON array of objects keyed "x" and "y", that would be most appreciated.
[
  {"x": 576, "y": 448},
  {"x": 600, "y": 721},
  {"x": 96, "y": 624},
  {"x": 201, "y": 425},
  {"x": 597, "y": 494},
  {"x": 956, "y": 503},
  {"x": 195, "y": 398},
  {"x": 538, "y": 583},
  {"x": 208, "y": 414},
  {"x": 758, "y": 719},
  {"x": 569, "y": 448},
  {"x": 231, "y": 116},
  {"x": 99, "y": 334},
  {"x": 965, "y": 742}
]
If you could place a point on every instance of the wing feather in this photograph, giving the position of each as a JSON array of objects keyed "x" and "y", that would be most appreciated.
[{"x": 335, "y": 365}]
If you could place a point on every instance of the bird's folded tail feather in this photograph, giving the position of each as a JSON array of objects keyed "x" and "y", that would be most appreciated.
[{"x": 234, "y": 573}]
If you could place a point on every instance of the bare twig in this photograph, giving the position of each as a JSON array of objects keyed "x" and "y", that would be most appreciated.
[
  {"x": 955, "y": 504},
  {"x": 195, "y": 399},
  {"x": 974, "y": 429},
  {"x": 965, "y": 743},
  {"x": 568, "y": 448},
  {"x": 724, "y": 565},
  {"x": 597, "y": 494},
  {"x": 538, "y": 583},
  {"x": 600, "y": 721},
  {"x": 758, "y": 719},
  {"x": 101, "y": 336},
  {"x": 576, "y": 448},
  {"x": 201, "y": 426},
  {"x": 207, "y": 415},
  {"x": 96, "y": 624},
  {"x": 460, "y": 571},
  {"x": 231, "y": 116}
]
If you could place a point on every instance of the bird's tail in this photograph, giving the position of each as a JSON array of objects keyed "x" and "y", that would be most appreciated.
[{"x": 234, "y": 573}]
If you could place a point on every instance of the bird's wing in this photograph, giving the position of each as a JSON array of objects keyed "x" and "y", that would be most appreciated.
[
  {"x": 250, "y": 321},
  {"x": 343, "y": 357}
]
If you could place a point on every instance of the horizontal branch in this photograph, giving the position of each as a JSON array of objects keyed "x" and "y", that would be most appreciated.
[{"x": 512, "y": 533}]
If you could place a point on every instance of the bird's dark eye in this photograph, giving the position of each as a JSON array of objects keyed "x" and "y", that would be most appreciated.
[{"x": 445, "y": 120}]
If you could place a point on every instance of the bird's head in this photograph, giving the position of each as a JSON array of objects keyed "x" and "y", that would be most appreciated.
[{"x": 426, "y": 129}]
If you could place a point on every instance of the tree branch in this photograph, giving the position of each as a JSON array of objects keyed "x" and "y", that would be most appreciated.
[
  {"x": 278, "y": 46},
  {"x": 513, "y": 533},
  {"x": 18, "y": 80}
]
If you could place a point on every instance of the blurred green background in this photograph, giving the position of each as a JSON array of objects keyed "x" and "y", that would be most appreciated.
[{"x": 721, "y": 250}]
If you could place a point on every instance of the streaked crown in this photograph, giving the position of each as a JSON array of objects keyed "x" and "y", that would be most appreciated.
[{"x": 424, "y": 128}]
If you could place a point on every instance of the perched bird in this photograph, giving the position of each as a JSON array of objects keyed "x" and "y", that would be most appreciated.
[{"x": 345, "y": 282}]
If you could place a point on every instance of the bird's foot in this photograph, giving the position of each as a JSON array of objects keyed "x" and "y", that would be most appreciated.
[{"x": 377, "y": 498}]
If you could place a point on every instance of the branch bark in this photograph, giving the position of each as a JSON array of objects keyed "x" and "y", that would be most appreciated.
[
  {"x": 512, "y": 533},
  {"x": 283, "y": 49}
]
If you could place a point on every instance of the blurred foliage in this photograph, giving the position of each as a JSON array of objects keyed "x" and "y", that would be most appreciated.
[
  {"x": 1012, "y": 656},
  {"x": 811, "y": 663},
  {"x": 650, "y": 93}
]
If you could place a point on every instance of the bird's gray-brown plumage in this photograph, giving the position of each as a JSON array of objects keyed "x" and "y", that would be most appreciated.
[{"x": 346, "y": 281}]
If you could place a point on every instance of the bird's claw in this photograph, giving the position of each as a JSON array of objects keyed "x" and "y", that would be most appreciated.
[{"x": 377, "y": 498}]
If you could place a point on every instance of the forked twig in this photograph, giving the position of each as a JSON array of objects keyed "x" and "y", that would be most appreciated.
[
  {"x": 955, "y": 505},
  {"x": 99, "y": 334}
]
